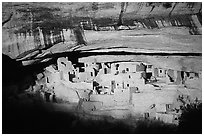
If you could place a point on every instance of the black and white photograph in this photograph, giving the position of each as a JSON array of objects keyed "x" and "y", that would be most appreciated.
[{"x": 101, "y": 67}]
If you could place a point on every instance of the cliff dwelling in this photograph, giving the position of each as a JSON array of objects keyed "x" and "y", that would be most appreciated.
[{"x": 102, "y": 67}]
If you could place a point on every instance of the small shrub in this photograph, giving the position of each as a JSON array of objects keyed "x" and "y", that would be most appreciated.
[{"x": 191, "y": 119}]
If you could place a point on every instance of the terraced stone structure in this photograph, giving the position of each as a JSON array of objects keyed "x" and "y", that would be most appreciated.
[{"x": 124, "y": 60}]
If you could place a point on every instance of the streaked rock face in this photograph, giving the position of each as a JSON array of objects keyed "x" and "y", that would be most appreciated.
[
  {"x": 105, "y": 11},
  {"x": 28, "y": 27}
]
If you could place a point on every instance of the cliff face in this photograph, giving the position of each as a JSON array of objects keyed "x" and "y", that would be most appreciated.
[
  {"x": 101, "y": 14},
  {"x": 28, "y": 27}
]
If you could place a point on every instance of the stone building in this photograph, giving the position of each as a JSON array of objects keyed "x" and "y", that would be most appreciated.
[
  {"x": 112, "y": 85},
  {"x": 125, "y": 67}
]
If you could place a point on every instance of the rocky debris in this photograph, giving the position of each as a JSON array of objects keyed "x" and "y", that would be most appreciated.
[{"x": 40, "y": 76}]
